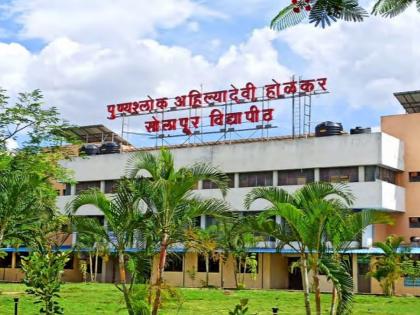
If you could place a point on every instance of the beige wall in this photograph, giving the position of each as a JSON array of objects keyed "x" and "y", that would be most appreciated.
[{"x": 406, "y": 128}]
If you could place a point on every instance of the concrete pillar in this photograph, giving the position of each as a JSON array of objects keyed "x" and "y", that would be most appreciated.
[
  {"x": 200, "y": 184},
  {"x": 236, "y": 180},
  {"x": 275, "y": 178},
  {"x": 102, "y": 186},
  {"x": 203, "y": 221},
  {"x": 13, "y": 260},
  {"x": 361, "y": 173},
  {"x": 266, "y": 271},
  {"x": 367, "y": 237},
  {"x": 316, "y": 175},
  {"x": 73, "y": 189}
]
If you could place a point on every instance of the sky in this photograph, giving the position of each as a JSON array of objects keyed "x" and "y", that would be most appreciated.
[{"x": 84, "y": 55}]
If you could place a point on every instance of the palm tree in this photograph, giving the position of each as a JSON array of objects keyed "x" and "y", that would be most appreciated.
[
  {"x": 324, "y": 12},
  {"x": 125, "y": 217},
  {"x": 306, "y": 214},
  {"x": 387, "y": 269},
  {"x": 174, "y": 204}
]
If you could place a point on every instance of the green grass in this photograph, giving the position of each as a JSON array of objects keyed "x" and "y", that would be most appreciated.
[{"x": 87, "y": 299}]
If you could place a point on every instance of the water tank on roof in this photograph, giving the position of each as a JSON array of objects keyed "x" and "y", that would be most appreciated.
[
  {"x": 328, "y": 128},
  {"x": 359, "y": 130},
  {"x": 109, "y": 148},
  {"x": 89, "y": 149}
]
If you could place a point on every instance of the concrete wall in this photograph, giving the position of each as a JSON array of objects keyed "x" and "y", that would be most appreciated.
[{"x": 407, "y": 128}]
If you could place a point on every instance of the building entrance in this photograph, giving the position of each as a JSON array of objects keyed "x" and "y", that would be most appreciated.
[{"x": 295, "y": 277}]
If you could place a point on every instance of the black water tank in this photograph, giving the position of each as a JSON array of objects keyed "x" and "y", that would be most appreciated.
[
  {"x": 359, "y": 130},
  {"x": 328, "y": 128},
  {"x": 89, "y": 149},
  {"x": 109, "y": 148}
]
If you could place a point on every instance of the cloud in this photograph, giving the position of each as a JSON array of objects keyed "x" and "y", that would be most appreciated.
[
  {"x": 103, "y": 21},
  {"x": 365, "y": 62},
  {"x": 81, "y": 78}
]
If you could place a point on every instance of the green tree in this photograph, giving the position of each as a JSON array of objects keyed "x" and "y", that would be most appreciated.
[
  {"x": 308, "y": 219},
  {"x": 387, "y": 268},
  {"x": 325, "y": 12},
  {"x": 125, "y": 219},
  {"x": 32, "y": 122},
  {"x": 173, "y": 204}
]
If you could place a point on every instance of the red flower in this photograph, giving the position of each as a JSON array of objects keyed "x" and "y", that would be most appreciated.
[
  {"x": 296, "y": 9},
  {"x": 294, "y": 1},
  {"x": 307, "y": 1},
  {"x": 308, "y": 8}
]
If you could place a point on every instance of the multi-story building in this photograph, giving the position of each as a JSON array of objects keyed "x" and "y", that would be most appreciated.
[{"x": 382, "y": 170}]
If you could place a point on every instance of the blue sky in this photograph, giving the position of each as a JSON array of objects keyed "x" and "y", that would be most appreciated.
[{"x": 86, "y": 54}]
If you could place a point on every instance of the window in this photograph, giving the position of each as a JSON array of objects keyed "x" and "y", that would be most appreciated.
[
  {"x": 70, "y": 263},
  {"x": 296, "y": 177},
  {"x": 411, "y": 282},
  {"x": 339, "y": 174},
  {"x": 6, "y": 262},
  {"x": 99, "y": 270},
  {"x": 197, "y": 222},
  {"x": 67, "y": 190},
  {"x": 414, "y": 222},
  {"x": 214, "y": 264},
  {"x": 174, "y": 263},
  {"x": 210, "y": 185},
  {"x": 210, "y": 221},
  {"x": 256, "y": 179},
  {"x": 373, "y": 173},
  {"x": 99, "y": 218},
  {"x": 414, "y": 176},
  {"x": 81, "y": 186},
  {"x": 111, "y": 186}
]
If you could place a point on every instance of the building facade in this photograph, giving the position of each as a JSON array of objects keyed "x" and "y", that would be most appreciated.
[{"x": 382, "y": 169}]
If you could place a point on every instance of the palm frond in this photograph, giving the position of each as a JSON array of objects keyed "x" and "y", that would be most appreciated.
[
  {"x": 391, "y": 8},
  {"x": 287, "y": 18},
  {"x": 271, "y": 194}
]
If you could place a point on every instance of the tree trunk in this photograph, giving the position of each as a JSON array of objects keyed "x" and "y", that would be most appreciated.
[
  {"x": 123, "y": 280},
  {"x": 96, "y": 265},
  {"x": 235, "y": 271},
  {"x": 334, "y": 297},
  {"x": 317, "y": 290},
  {"x": 207, "y": 270},
  {"x": 162, "y": 261},
  {"x": 90, "y": 267},
  {"x": 305, "y": 284}
]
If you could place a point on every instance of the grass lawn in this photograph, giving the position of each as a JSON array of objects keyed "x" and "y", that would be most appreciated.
[{"x": 87, "y": 299}]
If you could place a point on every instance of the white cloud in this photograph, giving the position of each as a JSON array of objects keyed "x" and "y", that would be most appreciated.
[
  {"x": 11, "y": 145},
  {"x": 365, "y": 62},
  {"x": 193, "y": 26},
  {"x": 104, "y": 21},
  {"x": 81, "y": 79}
]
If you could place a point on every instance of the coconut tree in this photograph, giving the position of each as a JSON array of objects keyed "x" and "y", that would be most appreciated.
[
  {"x": 387, "y": 269},
  {"x": 174, "y": 203},
  {"x": 126, "y": 217},
  {"x": 305, "y": 215}
]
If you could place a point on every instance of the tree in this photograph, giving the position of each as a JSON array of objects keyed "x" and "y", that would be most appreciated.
[
  {"x": 125, "y": 219},
  {"x": 325, "y": 12},
  {"x": 387, "y": 268},
  {"x": 28, "y": 119},
  {"x": 309, "y": 217},
  {"x": 203, "y": 242},
  {"x": 174, "y": 205}
]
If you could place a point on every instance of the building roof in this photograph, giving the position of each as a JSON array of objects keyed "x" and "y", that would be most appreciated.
[
  {"x": 409, "y": 100},
  {"x": 96, "y": 134}
]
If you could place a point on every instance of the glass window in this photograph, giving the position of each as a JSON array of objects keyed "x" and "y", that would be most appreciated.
[
  {"x": 414, "y": 176},
  {"x": 111, "y": 186},
  {"x": 67, "y": 190},
  {"x": 296, "y": 177},
  {"x": 414, "y": 222},
  {"x": 339, "y": 174},
  {"x": 210, "y": 185},
  {"x": 19, "y": 259},
  {"x": 81, "y": 186},
  {"x": 210, "y": 221},
  {"x": 373, "y": 173},
  {"x": 214, "y": 264},
  {"x": 174, "y": 263},
  {"x": 256, "y": 179},
  {"x": 70, "y": 263},
  {"x": 6, "y": 262}
]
